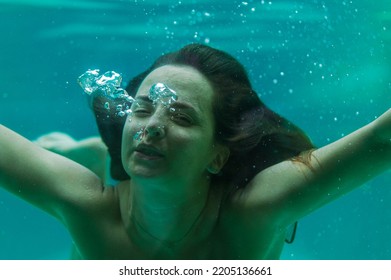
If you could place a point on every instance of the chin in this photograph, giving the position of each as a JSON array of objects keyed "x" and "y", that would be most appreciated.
[{"x": 144, "y": 173}]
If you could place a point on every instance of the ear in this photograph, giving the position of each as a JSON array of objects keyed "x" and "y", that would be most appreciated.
[{"x": 219, "y": 160}]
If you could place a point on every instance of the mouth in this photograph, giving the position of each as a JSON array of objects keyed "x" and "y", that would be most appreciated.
[{"x": 148, "y": 152}]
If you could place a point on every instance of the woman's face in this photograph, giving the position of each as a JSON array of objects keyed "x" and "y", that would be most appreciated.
[{"x": 175, "y": 141}]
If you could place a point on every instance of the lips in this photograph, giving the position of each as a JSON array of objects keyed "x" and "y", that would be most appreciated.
[{"x": 148, "y": 151}]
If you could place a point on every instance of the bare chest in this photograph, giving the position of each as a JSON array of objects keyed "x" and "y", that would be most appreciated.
[{"x": 221, "y": 244}]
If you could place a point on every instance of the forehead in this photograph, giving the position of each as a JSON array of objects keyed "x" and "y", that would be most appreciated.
[{"x": 189, "y": 84}]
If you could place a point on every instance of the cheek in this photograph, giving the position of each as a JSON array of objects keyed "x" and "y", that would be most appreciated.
[
  {"x": 125, "y": 138},
  {"x": 192, "y": 145},
  {"x": 128, "y": 133},
  {"x": 130, "y": 129}
]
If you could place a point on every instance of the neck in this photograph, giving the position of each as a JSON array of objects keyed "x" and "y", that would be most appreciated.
[{"x": 165, "y": 213}]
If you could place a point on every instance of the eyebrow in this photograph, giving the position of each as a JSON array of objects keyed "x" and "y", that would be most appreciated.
[
  {"x": 183, "y": 105},
  {"x": 176, "y": 104}
]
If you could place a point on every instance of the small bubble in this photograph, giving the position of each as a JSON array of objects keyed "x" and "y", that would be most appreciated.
[
  {"x": 139, "y": 135},
  {"x": 107, "y": 105}
]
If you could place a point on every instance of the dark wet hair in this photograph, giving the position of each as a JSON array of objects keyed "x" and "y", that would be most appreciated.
[{"x": 256, "y": 136}]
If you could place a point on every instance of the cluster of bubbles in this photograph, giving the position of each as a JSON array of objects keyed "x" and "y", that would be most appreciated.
[
  {"x": 160, "y": 92},
  {"x": 108, "y": 85}
]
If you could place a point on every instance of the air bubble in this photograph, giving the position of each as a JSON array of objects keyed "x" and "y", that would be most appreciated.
[
  {"x": 106, "y": 85},
  {"x": 139, "y": 135},
  {"x": 160, "y": 92}
]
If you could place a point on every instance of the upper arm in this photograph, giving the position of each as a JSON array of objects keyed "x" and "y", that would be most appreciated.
[
  {"x": 43, "y": 178},
  {"x": 292, "y": 189}
]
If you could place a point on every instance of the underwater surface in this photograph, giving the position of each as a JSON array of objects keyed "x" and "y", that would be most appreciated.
[{"x": 325, "y": 65}]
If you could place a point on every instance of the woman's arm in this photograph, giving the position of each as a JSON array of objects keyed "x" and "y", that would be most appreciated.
[
  {"x": 90, "y": 152},
  {"x": 43, "y": 178},
  {"x": 292, "y": 189}
]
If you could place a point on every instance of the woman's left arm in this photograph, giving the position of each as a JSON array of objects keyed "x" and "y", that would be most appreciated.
[{"x": 292, "y": 189}]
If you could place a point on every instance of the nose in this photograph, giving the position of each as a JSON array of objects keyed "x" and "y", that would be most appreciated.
[
  {"x": 155, "y": 131},
  {"x": 155, "y": 127}
]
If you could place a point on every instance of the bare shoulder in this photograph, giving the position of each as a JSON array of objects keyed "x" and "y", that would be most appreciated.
[
  {"x": 98, "y": 205},
  {"x": 98, "y": 230}
]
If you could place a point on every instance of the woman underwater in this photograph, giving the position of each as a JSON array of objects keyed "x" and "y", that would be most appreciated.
[{"x": 213, "y": 175}]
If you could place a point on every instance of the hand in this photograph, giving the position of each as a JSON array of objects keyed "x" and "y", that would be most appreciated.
[{"x": 57, "y": 142}]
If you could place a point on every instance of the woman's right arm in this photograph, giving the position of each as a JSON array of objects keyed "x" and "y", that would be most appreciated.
[{"x": 43, "y": 178}]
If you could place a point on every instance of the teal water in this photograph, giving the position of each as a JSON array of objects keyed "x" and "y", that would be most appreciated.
[{"x": 323, "y": 64}]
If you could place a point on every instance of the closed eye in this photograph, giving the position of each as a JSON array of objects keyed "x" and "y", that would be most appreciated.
[
  {"x": 141, "y": 108},
  {"x": 182, "y": 119},
  {"x": 142, "y": 111}
]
